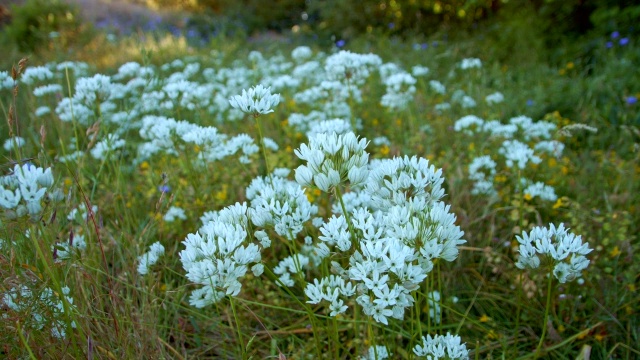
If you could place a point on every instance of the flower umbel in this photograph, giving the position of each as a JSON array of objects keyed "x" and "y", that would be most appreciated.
[
  {"x": 563, "y": 249},
  {"x": 257, "y": 100}
]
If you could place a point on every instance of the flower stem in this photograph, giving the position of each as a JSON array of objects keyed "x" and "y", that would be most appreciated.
[
  {"x": 546, "y": 317},
  {"x": 237, "y": 326},
  {"x": 264, "y": 149}
]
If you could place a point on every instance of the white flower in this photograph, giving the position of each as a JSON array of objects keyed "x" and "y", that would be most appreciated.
[
  {"x": 257, "y": 100},
  {"x": 442, "y": 347},
  {"x": 470, "y": 63},
  {"x": 518, "y": 154},
  {"x": 332, "y": 159},
  {"x": 145, "y": 261},
  {"x": 14, "y": 142},
  {"x": 494, "y": 98},
  {"x": 437, "y": 86},
  {"x": 174, "y": 213},
  {"x": 563, "y": 248}
]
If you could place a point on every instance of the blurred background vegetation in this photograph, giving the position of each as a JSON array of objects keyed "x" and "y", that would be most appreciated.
[{"x": 543, "y": 25}]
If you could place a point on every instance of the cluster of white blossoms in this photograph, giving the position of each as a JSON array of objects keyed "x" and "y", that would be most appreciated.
[
  {"x": 400, "y": 90},
  {"x": 482, "y": 170},
  {"x": 351, "y": 67},
  {"x": 396, "y": 227},
  {"x": 45, "y": 309},
  {"x": 257, "y": 100},
  {"x": 470, "y": 63},
  {"x": 279, "y": 204},
  {"x": 518, "y": 154},
  {"x": 217, "y": 256},
  {"x": 515, "y": 153},
  {"x": 494, "y": 98},
  {"x": 15, "y": 142},
  {"x": 442, "y": 347},
  {"x": 331, "y": 160},
  {"x": 23, "y": 191},
  {"x": 150, "y": 258},
  {"x": 553, "y": 246}
]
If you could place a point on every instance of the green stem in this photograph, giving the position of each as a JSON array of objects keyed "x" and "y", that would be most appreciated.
[
  {"x": 237, "y": 326},
  {"x": 518, "y": 310},
  {"x": 264, "y": 149},
  {"x": 546, "y": 317}
]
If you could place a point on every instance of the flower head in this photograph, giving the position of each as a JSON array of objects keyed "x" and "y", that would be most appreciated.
[
  {"x": 561, "y": 248},
  {"x": 257, "y": 100}
]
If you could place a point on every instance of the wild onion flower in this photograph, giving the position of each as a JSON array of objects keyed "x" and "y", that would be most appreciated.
[
  {"x": 15, "y": 142},
  {"x": 419, "y": 70},
  {"x": 470, "y": 63},
  {"x": 67, "y": 249},
  {"x": 257, "y": 100},
  {"x": 400, "y": 90},
  {"x": 106, "y": 146},
  {"x": 518, "y": 154},
  {"x": 437, "y": 86},
  {"x": 494, "y": 98},
  {"x": 395, "y": 233},
  {"x": 217, "y": 256},
  {"x": 482, "y": 170},
  {"x": 280, "y": 204},
  {"x": 301, "y": 53},
  {"x": 150, "y": 258},
  {"x": 23, "y": 191},
  {"x": 24, "y": 300},
  {"x": 378, "y": 352},
  {"x": 553, "y": 246},
  {"x": 442, "y": 347},
  {"x": 332, "y": 160},
  {"x": 174, "y": 213},
  {"x": 346, "y": 66},
  {"x": 467, "y": 123}
]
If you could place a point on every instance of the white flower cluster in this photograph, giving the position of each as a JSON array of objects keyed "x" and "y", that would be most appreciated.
[
  {"x": 106, "y": 146},
  {"x": 437, "y": 87},
  {"x": 400, "y": 90},
  {"x": 46, "y": 309},
  {"x": 150, "y": 258},
  {"x": 6, "y": 81},
  {"x": 349, "y": 67},
  {"x": 442, "y": 347},
  {"x": 483, "y": 180},
  {"x": 66, "y": 250},
  {"x": 169, "y": 136},
  {"x": 279, "y": 204},
  {"x": 216, "y": 256},
  {"x": 23, "y": 191},
  {"x": 494, "y": 98},
  {"x": 15, "y": 142},
  {"x": 331, "y": 160},
  {"x": 468, "y": 124},
  {"x": 470, "y": 63},
  {"x": 378, "y": 352},
  {"x": 558, "y": 247},
  {"x": 518, "y": 154},
  {"x": 539, "y": 189},
  {"x": 174, "y": 213},
  {"x": 257, "y": 100},
  {"x": 395, "y": 230},
  {"x": 465, "y": 101}
]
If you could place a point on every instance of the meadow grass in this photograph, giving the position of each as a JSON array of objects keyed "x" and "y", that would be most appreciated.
[{"x": 153, "y": 152}]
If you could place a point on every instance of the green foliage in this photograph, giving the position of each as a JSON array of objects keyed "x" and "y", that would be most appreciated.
[{"x": 37, "y": 21}]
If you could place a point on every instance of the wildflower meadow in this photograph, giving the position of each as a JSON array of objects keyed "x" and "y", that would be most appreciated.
[{"x": 377, "y": 199}]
